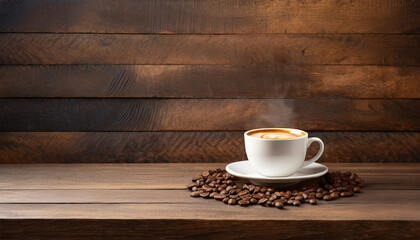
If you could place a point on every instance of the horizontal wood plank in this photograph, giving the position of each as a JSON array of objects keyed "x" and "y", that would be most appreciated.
[
  {"x": 209, "y": 81},
  {"x": 143, "y": 147},
  {"x": 166, "y": 196},
  {"x": 173, "y": 175},
  {"x": 208, "y": 209},
  {"x": 193, "y": 16},
  {"x": 100, "y": 204},
  {"x": 81, "y": 229},
  {"x": 177, "y": 204},
  {"x": 278, "y": 49},
  {"x": 207, "y": 114}
]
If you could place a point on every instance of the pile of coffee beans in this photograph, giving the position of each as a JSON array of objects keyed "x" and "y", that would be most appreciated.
[{"x": 220, "y": 185}]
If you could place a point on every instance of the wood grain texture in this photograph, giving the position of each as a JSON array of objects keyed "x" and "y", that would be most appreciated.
[
  {"x": 209, "y": 81},
  {"x": 193, "y": 16},
  {"x": 209, "y": 209},
  {"x": 81, "y": 229},
  {"x": 207, "y": 114},
  {"x": 175, "y": 176},
  {"x": 108, "y": 201},
  {"x": 171, "y": 147},
  {"x": 277, "y": 49},
  {"x": 137, "y": 196}
]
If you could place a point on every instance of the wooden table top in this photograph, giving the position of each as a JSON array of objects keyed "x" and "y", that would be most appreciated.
[{"x": 150, "y": 200}]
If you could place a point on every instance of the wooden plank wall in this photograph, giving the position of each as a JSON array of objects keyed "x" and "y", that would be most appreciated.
[{"x": 103, "y": 81}]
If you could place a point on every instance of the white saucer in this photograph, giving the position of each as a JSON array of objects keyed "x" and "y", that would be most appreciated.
[{"x": 243, "y": 169}]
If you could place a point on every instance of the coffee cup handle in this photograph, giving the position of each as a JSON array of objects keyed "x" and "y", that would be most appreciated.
[{"x": 320, "y": 151}]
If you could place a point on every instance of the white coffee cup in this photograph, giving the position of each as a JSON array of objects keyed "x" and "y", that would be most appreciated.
[{"x": 279, "y": 157}]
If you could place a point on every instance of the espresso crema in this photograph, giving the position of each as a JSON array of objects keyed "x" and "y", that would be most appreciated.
[{"x": 276, "y": 133}]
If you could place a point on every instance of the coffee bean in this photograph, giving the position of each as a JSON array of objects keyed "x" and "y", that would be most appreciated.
[
  {"x": 345, "y": 194},
  {"x": 213, "y": 194},
  {"x": 327, "y": 198},
  {"x": 243, "y": 192},
  {"x": 247, "y": 196},
  {"x": 334, "y": 195},
  {"x": 195, "y": 194},
  {"x": 258, "y": 195},
  {"x": 354, "y": 176},
  {"x": 219, "y": 197},
  {"x": 232, "y": 201},
  {"x": 220, "y": 185},
  {"x": 278, "y": 204},
  {"x": 299, "y": 198},
  {"x": 243, "y": 202},
  {"x": 262, "y": 200},
  {"x": 204, "y": 194}
]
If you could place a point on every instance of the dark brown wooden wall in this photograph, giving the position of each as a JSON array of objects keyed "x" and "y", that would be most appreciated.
[{"x": 179, "y": 81}]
